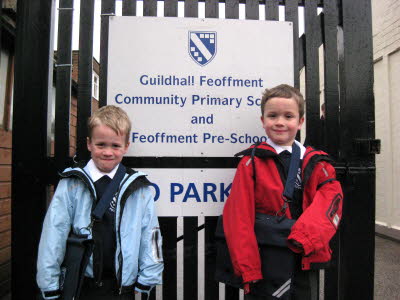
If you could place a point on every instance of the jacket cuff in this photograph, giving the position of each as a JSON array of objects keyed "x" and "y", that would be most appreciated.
[
  {"x": 303, "y": 240},
  {"x": 47, "y": 295},
  {"x": 252, "y": 275},
  {"x": 293, "y": 247},
  {"x": 141, "y": 288}
]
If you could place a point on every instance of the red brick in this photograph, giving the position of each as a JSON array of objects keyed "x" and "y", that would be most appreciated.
[
  {"x": 5, "y": 156},
  {"x": 5, "y": 255},
  {"x": 5, "y": 139},
  {"x": 5, "y": 223},
  {"x": 5, "y": 206},
  {"x": 5, "y": 173},
  {"x": 5, "y": 189},
  {"x": 5, "y": 239}
]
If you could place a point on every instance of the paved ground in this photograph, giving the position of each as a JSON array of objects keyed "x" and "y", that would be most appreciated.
[{"x": 387, "y": 270}]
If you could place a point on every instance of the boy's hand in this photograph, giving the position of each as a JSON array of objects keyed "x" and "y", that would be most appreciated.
[{"x": 246, "y": 286}]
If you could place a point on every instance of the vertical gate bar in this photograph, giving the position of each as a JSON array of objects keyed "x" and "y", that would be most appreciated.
[
  {"x": 331, "y": 77},
  {"x": 150, "y": 8},
  {"x": 170, "y": 8},
  {"x": 312, "y": 94},
  {"x": 63, "y": 83},
  {"x": 292, "y": 15},
  {"x": 272, "y": 10},
  {"x": 231, "y": 12},
  {"x": 190, "y": 252},
  {"x": 191, "y": 8},
  {"x": 29, "y": 140},
  {"x": 232, "y": 9},
  {"x": 359, "y": 76},
  {"x": 129, "y": 8},
  {"x": 190, "y": 289},
  {"x": 357, "y": 120},
  {"x": 331, "y": 124},
  {"x": 85, "y": 69},
  {"x": 211, "y": 285},
  {"x": 168, "y": 226},
  {"x": 212, "y": 9},
  {"x": 252, "y": 11},
  {"x": 107, "y": 9}
]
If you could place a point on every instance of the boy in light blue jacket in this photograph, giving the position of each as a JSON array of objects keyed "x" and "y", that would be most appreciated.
[{"x": 127, "y": 256}]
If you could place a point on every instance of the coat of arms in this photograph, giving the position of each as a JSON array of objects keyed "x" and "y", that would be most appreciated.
[{"x": 202, "y": 46}]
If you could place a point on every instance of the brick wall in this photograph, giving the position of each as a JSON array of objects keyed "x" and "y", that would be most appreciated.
[
  {"x": 5, "y": 211},
  {"x": 385, "y": 26}
]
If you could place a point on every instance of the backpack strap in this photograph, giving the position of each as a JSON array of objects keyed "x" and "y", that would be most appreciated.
[
  {"x": 112, "y": 188},
  {"x": 292, "y": 173},
  {"x": 291, "y": 178}
]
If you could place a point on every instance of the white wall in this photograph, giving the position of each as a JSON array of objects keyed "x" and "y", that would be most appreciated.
[{"x": 386, "y": 35}]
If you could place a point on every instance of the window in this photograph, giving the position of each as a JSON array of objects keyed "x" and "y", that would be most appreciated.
[
  {"x": 6, "y": 89},
  {"x": 95, "y": 86}
]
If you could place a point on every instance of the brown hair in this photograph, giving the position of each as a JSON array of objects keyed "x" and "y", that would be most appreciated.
[
  {"x": 113, "y": 117},
  {"x": 283, "y": 91}
]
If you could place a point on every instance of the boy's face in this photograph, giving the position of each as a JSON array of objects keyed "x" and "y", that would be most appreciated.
[
  {"x": 107, "y": 148},
  {"x": 281, "y": 120}
]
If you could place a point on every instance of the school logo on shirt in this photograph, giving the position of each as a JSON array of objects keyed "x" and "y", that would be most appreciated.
[
  {"x": 202, "y": 46},
  {"x": 298, "y": 182},
  {"x": 113, "y": 204}
]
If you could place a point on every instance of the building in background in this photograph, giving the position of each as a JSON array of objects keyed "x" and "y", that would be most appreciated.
[
  {"x": 7, "y": 46},
  {"x": 7, "y": 51},
  {"x": 386, "y": 43}
]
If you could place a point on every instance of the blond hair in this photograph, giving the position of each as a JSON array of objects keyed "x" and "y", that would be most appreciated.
[
  {"x": 283, "y": 91},
  {"x": 113, "y": 117}
]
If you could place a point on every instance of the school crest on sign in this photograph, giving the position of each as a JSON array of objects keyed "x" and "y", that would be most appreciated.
[{"x": 202, "y": 46}]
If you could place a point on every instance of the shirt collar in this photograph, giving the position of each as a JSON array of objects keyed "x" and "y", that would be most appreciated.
[
  {"x": 279, "y": 148},
  {"x": 95, "y": 173}
]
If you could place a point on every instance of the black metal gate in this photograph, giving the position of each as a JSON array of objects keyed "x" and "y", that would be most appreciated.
[{"x": 343, "y": 29}]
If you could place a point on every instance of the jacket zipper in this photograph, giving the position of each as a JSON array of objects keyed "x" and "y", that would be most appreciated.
[{"x": 118, "y": 231}]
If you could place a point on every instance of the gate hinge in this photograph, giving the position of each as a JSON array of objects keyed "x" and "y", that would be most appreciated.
[{"x": 367, "y": 146}]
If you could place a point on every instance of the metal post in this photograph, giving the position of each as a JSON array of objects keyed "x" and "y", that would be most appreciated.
[
  {"x": 86, "y": 26},
  {"x": 356, "y": 273},
  {"x": 63, "y": 85},
  {"x": 107, "y": 10},
  {"x": 29, "y": 140}
]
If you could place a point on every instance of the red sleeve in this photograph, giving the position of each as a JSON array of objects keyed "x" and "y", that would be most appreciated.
[
  {"x": 238, "y": 220},
  {"x": 319, "y": 221}
]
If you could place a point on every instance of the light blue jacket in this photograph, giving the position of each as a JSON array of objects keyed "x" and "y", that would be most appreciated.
[{"x": 138, "y": 256}]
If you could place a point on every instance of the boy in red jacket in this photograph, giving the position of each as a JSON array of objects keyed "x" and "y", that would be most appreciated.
[{"x": 316, "y": 204}]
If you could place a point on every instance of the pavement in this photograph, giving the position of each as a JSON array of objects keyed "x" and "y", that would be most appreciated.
[{"x": 387, "y": 270}]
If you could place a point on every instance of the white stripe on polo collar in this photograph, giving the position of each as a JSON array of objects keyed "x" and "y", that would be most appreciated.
[
  {"x": 95, "y": 173},
  {"x": 279, "y": 149}
]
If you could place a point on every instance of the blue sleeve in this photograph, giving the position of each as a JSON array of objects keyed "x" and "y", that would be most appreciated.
[
  {"x": 56, "y": 227},
  {"x": 150, "y": 253}
]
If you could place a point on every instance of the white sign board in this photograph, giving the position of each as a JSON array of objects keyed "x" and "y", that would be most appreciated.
[
  {"x": 190, "y": 192},
  {"x": 192, "y": 87}
]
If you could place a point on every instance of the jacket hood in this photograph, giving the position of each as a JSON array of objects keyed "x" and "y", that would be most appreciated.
[{"x": 79, "y": 171}]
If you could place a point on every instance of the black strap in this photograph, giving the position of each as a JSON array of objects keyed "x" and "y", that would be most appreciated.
[
  {"x": 292, "y": 173},
  {"x": 112, "y": 188}
]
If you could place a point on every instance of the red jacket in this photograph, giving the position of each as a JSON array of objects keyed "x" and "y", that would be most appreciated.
[{"x": 322, "y": 208}]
